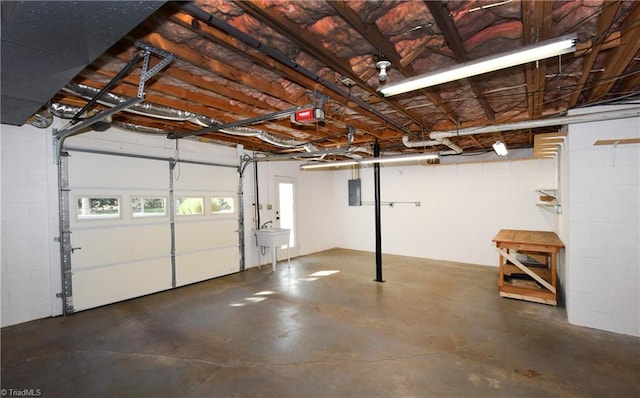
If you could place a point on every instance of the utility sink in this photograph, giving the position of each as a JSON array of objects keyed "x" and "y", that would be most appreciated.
[{"x": 273, "y": 237}]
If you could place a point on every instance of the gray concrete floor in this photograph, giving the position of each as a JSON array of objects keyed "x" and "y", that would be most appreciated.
[{"x": 324, "y": 329}]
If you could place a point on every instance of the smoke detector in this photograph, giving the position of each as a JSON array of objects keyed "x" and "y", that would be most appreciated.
[{"x": 347, "y": 82}]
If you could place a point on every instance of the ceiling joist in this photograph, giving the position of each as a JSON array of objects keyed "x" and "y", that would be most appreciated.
[{"x": 239, "y": 60}]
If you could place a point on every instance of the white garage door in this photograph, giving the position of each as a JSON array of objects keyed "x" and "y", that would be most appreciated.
[
  {"x": 206, "y": 222},
  {"x": 121, "y": 211}
]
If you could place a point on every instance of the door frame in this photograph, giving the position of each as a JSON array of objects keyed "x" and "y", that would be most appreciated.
[{"x": 295, "y": 249}]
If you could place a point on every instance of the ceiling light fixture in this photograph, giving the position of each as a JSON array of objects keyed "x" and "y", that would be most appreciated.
[
  {"x": 500, "y": 3},
  {"x": 382, "y": 159},
  {"x": 383, "y": 65},
  {"x": 542, "y": 50},
  {"x": 500, "y": 148}
]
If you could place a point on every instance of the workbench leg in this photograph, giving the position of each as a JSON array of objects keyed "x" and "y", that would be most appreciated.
[
  {"x": 501, "y": 266},
  {"x": 554, "y": 277}
]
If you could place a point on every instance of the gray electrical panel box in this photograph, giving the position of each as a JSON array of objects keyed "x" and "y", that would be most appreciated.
[{"x": 354, "y": 193}]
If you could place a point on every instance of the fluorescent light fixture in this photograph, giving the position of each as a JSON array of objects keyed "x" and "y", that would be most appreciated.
[
  {"x": 328, "y": 165},
  {"x": 382, "y": 159},
  {"x": 399, "y": 158},
  {"x": 500, "y": 148},
  {"x": 542, "y": 50}
]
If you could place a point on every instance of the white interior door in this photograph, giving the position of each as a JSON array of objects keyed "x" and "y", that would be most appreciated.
[{"x": 286, "y": 212}]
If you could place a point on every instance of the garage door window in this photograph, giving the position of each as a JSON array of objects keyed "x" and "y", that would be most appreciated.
[
  {"x": 189, "y": 206},
  {"x": 96, "y": 207},
  {"x": 221, "y": 205},
  {"x": 148, "y": 206}
]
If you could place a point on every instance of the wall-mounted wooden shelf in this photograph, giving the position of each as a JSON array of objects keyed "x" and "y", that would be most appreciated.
[
  {"x": 551, "y": 202},
  {"x": 548, "y": 145},
  {"x": 620, "y": 141}
]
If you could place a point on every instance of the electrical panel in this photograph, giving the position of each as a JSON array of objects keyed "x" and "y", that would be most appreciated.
[{"x": 354, "y": 193}]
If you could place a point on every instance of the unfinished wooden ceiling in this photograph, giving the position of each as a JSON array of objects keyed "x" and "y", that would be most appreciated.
[{"x": 238, "y": 60}]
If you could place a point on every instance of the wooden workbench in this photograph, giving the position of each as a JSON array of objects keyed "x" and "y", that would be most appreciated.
[{"x": 540, "y": 282}]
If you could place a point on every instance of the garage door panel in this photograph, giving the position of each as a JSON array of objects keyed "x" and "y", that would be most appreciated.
[
  {"x": 206, "y": 234},
  {"x": 195, "y": 267},
  {"x": 207, "y": 244},
  {"x": 116, "y": 245},
  {"x": 94, "y": 248},
  {"x": 100, "y": 286},
  {"x": 93, "y": 170},
  {"x": 199, "y": 177}
]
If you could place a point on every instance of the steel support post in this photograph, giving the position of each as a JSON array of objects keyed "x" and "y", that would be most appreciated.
[{"x": 376, "y": 188}]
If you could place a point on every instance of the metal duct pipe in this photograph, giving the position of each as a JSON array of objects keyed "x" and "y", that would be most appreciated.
[
  {"x": 586, "y": 118},
  {"x": 67, "y": 132},
  {"x": 65, "y": 111},
  {"x": 162, "y": 112},
  {"x": 265, "y": 136},
  {"x": 68, "y": 111},
  {"x": 41, "y": 120},
  {"x": 322, "y": 153},
  {"x": 139, "y": 129},
  {"x": 339, "y": 151},
  {"x": 309, "y": 147},
  {"x": 145, "y": 109}
]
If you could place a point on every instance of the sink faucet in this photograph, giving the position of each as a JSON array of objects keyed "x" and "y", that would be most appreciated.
[{"x": 265, "y": 224}]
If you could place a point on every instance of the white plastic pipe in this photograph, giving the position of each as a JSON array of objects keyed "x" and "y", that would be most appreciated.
[
  {"x": 455, "y": 149},
  {"x": 418, "y": 144}
]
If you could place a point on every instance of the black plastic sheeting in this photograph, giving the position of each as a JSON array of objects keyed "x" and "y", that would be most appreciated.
[{"x": 45, "y": 44}]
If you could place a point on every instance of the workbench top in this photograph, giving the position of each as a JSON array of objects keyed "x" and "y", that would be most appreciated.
[{"x": 543, "y": 238}]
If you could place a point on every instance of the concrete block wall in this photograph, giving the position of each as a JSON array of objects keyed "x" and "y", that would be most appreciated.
[
  {"x": 30, "y": 274},
  {"x": 27, "y": 224},
  {"x": 462, "y": 207},
  {"x": 563, "y": 220},
  {"x": 603, "y": 254}
]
